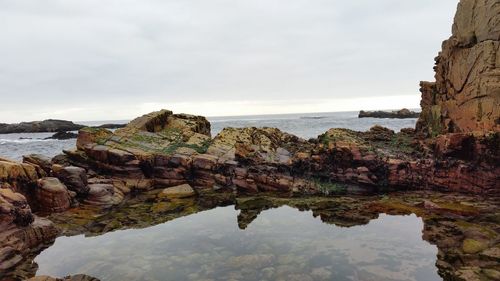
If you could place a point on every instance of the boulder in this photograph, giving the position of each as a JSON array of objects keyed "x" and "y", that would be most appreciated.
[
  {"x": 40, "y": 160},
  {"x": 104, "y": 195},
  {"x": 20, "y": 230},
  {"x": 62, "y": 136},
  {"x": 51, "y": 195},
  {"x": 14, "y": 209},
  {"x": 75, "y": 179},
  {"x": 180, "y": 191},
  {"x": 19, "y": 175}
]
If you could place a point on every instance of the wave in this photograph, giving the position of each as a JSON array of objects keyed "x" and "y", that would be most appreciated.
[{"x": 5, "y": 141}]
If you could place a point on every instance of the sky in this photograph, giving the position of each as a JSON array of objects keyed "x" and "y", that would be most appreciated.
[{"x": 87, "y": 60}]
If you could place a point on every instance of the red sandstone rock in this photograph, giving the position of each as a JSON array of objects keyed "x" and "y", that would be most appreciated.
[
  {"x": 466, "y": 94},
  {"x": 51, "y": 195}
]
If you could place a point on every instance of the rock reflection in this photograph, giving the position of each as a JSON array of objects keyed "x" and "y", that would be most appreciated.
[{"x": 275, "y": 238}]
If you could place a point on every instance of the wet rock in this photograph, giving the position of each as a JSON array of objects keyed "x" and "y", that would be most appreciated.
[
  {"x": 110, "y": 126},
  {"x": 180, "y": 191},
  {"x": 18, "y": 175},
  {"x": 79, "y": 277},
  {"x": 51, "y": 196},
  {"x": 61, "y": 159},
  {"x": 75, "y": 179},
  {"x": 103, "y": 195},
  {"x": 14, "y": 209},
  {"x": 42, "y": 161},
  {"x": 62, "y": 136},
  {"x": 21, "y": 232}
]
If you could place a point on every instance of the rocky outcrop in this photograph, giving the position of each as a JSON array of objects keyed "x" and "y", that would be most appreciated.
[
  {"x": 38, "y": 160},
  {"x": 75, "y": 178},
  {"x": 399, "y": 114},
  {"x": 466, "y": 94},
  {"x": 266, "y": 159},
  {"x": 18, "y": 176},
  {"x": 21, "y": 232},
  {"x": 49, "y": 125}
]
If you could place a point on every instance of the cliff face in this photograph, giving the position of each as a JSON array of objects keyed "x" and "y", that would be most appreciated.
[{"x": 466, "y": 94}]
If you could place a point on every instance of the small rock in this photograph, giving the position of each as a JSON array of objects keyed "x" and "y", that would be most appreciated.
[
  {"x": 492, "y": 254},
  {"x": 103, "y": 195},
  {"x": 180, "y": 191},
  {"x": 471, "y": 246},
  {"x": 75, "y": 178},
  {"x": 492, "y": 274}
]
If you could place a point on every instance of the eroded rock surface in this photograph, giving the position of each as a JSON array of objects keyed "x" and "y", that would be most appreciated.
[
  {"x": 21, "y": 233},
  {"x": 52, "y": 195},
  {"x": 466, "y": 94},
  {"x": 267, "y": 159}
]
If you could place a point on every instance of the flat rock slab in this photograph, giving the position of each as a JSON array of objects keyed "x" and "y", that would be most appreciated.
[{"x": 180, "y": 191}]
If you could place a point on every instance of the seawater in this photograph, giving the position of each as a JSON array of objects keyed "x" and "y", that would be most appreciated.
[
  {"x": 280, "y": 244},
  {"x": 307, "y": 125}
]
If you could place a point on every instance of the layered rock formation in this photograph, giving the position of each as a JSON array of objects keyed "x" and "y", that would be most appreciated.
[
  {"x": 466, "y": 94},
  {"x": 21, "y": 233},
  {"x": 175, "y": 155},
  {"x": 162, "y": 149}
]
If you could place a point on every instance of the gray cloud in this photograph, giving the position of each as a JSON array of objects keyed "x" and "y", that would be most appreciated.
[{"x": 119, "y": 53}]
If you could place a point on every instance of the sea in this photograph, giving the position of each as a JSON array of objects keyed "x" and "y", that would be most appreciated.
[{"x": 304, "y": 125}]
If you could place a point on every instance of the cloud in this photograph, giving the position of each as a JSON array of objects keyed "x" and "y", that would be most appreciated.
[{"x": 120, "y": 53}]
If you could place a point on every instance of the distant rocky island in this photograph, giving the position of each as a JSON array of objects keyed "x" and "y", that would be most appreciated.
[
  {"x": 48, "y": 126},
  {"x": 399, "y": 114}
]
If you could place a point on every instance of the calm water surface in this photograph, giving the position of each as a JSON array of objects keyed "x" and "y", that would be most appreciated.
[{"x": 280, "y": 244}]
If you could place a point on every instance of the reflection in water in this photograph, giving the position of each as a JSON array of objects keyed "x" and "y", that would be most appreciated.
[{"x": 279, "y": 244}]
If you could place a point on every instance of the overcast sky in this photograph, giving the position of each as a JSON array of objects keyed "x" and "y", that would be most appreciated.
[{"x": 116, "y": 59}]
